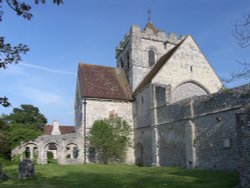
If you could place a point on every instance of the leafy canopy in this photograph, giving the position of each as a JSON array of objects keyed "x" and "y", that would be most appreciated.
[
  {"x": 24, "y": 124},
  {"x": 27, "y": 115},
  {"x": 4, "y": 140},
  {"x": 111, "y": 138}
]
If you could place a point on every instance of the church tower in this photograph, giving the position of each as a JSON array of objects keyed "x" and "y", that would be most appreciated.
[{"x": 140, "y": 49}]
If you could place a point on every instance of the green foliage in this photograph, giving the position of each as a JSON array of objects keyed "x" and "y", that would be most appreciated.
[
  {"x": 110, "y": 138},
  {"x": 16, "y": 160},
  {"x": 50, "y": 158},
  {"x": 20, "y": 133},
  {"x": 5, "y": 151},
  {"x": 27, "y": 115},
  {"x": 25, "y": 123},
  {"x": 123, "y": 176}
]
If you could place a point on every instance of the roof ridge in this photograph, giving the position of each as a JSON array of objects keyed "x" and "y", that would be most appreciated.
[{"x": 94, "y": 65}]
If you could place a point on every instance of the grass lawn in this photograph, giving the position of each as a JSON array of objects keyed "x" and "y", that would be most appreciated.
[{"x": 119, "y": 176}]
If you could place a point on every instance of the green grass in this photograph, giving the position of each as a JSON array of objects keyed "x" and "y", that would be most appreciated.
[{"x": 119, "y": 176}]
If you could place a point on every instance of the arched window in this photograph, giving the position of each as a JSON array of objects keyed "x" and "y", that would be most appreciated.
[
  {"x": 151, "y": 57},
  {"x": 75, "y": 152},
  {"x": 27, "y": 152}
]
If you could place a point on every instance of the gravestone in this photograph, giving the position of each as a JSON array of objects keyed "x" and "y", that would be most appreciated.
[
  {"x": 1, "y": 172},
  {"x": 2, "y": 175},
  {"x": 26, "y": 169}
]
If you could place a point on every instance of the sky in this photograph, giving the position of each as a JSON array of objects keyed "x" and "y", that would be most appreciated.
[{"x": 60, "y": 37}]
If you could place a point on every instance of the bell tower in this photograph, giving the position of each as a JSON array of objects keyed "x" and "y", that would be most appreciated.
[{"x": 140, "y": 50}]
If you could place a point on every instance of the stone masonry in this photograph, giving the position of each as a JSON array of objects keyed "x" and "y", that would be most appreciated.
[
  {"x": 243, "y": 140},
  {"x": 165, "y": 88}
]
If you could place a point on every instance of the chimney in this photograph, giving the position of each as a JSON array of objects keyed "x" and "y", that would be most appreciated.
[{"x": 55, "y": 128}]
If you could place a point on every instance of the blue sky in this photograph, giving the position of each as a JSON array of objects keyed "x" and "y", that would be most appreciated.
[{"x": 59, "y": 37}]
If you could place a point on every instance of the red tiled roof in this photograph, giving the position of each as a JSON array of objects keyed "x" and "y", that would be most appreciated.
[
  {"x": 63, "y": 129},
  {"x": 47, "y": 129},
  {"x": 103, "y": 82},
  {"x": 67, "y": 129},
  {"x": 157, "y": 67}
]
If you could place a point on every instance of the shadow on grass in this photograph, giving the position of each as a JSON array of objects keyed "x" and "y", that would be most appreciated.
[{"x": 116, "y": 177}]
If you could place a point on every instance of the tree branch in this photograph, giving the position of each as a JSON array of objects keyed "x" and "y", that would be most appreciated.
[
  {"x": 242, "y": 32},
  {"x": 4, "y": 102}
]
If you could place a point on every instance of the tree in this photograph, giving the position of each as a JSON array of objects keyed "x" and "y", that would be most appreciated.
[
  {"x": 27, "y": 115},
  {"x": 111, "y": 138},
  {"x": 12, "y": 54},
  {"x": 242, "y": 31},
  {"x": 25, "y": 123},
  {"x": 19, "y": 133},
  {"x": 242, "y": 34},
  {"x": 5, "y": 148}
]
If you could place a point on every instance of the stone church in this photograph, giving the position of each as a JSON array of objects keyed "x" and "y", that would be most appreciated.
[{"x": 165, "y": 88}]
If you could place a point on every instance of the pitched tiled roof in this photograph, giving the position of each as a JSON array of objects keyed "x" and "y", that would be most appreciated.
[
  {"x": 67, "y": 129},
  {"x": 157, "y": 67},
  {"x": 47, "y": 129},
  {"x": 151, "y": 26},
  {"x": 63, "y": 129},
  {"x": 103, "y": 82}
]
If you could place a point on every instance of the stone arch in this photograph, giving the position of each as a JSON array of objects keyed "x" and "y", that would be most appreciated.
[
  {"x": 188, "y": 89},
  {"x": 139, "y": 154},
  {"x": 30, "y": 150},
  {"x": 52, "y": 151},
  {"x": 72, "y": 151}
]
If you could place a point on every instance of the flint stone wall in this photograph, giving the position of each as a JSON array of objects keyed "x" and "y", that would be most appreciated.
[
  {"x": 214, "y": 143},
  {"x": 243, "y": 138}
]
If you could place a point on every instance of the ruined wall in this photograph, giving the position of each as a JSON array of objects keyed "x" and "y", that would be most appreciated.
[
  {"x": 41, "y": 147},
  {"x": 243, "y": 143},
  {"x": 171, "y": 127},
  {"x": 212, "y": 132}
]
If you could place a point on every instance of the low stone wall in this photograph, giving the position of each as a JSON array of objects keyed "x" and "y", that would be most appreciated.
[
  {"x": 201, "y": 131},
  {"x": 243, "y": 143}
]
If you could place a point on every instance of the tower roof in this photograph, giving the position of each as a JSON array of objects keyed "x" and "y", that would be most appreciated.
[
  {"x": 150, "y": 26},
  {"x": 103, "y": 82}
]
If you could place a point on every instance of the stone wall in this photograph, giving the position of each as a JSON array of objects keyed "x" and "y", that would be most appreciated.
[
  {"x": 39, "y": 147},
  {"x": 208, "y": 121},
  {"x": 188, "y": 66},
  {"x": 243, "y": 143},
  {"x": 99, "y": 109},
  {"x": 136, "y": 45}
]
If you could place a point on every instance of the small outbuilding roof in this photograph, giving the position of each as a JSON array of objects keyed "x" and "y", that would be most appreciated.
[{"x": 63, "y": 129}]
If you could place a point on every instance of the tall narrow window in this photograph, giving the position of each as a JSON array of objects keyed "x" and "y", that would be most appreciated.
[
  {"x": 122, "y": 65},
  {"x": 160, "y": 95},
  {"x": 151, "y": 57},
  {"x": 128, "y": 61}
]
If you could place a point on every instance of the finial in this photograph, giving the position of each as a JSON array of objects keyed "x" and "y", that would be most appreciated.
[{"x": 149, "y": 14}]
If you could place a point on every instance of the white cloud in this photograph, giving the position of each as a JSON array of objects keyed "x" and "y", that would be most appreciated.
[{"x": 47, "y": 69}]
